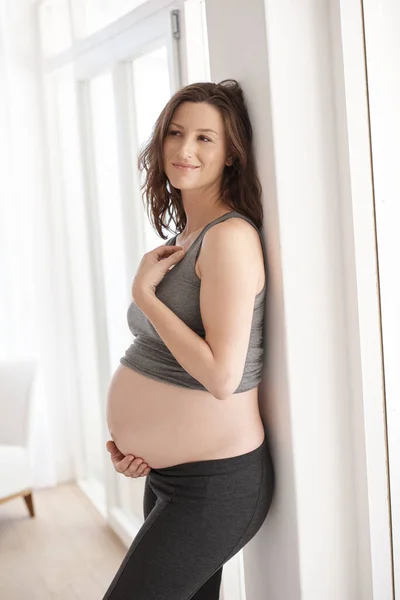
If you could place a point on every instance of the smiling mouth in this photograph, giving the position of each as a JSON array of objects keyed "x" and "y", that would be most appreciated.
[{"x": 184, "y": 167}]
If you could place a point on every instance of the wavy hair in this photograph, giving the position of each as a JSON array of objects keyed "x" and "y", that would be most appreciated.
[{"x": 240, "y": 186}]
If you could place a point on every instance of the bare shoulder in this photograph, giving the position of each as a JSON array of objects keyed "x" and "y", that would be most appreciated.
[
  {"x": 234, "y": 236},
  {"x": 233, "y": 230}
]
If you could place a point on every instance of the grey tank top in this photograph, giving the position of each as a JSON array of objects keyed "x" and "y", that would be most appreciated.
[{"x": 180, "y": 291}]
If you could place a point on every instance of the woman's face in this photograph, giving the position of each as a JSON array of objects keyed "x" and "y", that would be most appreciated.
[{"x": 194, "y": 149}]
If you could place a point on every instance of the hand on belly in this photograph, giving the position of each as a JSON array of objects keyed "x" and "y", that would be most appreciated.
[{"x": 129, "y": 465}]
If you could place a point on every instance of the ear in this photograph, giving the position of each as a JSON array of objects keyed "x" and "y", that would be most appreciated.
[{"x": 229, "y": 161}]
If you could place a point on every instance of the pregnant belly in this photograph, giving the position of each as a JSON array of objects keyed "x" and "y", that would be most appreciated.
[{"x": 167, "y": 425}]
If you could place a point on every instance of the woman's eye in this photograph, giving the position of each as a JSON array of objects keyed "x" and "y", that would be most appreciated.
[{"x": 202, "y": 137}]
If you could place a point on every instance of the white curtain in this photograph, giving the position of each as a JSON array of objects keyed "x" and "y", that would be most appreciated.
[{"x": 31, "y": 302}]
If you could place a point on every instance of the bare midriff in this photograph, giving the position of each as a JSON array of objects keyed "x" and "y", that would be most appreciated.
[{"x": 167, "y": 425}]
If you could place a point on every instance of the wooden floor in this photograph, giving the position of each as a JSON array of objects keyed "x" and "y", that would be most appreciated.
[{"x": 66, "y": 551}]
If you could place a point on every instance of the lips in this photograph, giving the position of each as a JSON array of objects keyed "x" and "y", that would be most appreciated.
[{"x": 184, "y": 167}]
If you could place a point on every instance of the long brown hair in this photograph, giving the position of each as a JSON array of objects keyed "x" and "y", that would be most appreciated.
[{"x": 240, "y": 186}]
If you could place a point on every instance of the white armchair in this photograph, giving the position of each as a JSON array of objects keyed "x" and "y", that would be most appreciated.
[{"x": 16, "y": 476}]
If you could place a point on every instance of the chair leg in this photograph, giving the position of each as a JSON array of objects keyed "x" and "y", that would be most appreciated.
[{"x": 29, "y": 503}]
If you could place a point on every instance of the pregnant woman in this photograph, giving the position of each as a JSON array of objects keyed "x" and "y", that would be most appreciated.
[{"x": 184, "y": 400}]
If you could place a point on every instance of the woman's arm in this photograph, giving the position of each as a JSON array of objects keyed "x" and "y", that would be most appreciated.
[{"x": 229, "y": 275}]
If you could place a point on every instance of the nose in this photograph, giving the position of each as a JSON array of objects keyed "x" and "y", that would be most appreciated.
[{"x": 186, "y": 149}]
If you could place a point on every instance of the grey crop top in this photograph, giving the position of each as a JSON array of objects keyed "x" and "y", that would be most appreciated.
[{"x": 180, "y": 291}]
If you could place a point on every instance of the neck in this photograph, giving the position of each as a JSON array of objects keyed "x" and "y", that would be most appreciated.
[{"x": 200, "y": 212}]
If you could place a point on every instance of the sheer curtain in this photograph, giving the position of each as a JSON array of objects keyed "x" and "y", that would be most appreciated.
[{"x": 30, "y": 295}]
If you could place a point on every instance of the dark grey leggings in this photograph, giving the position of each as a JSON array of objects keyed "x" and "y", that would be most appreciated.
[{"x": 197, "y": 516}]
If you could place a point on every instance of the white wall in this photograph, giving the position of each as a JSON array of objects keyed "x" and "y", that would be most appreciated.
[
  {"x": 363, "y": 302},
  {"x": 316, "y": 540},
  {"x": 382, "y": 23}
]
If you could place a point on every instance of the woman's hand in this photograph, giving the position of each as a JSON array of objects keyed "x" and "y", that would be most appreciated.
[
  {"x": 152, "y": 268},
  {"x": 127, "y": 465}
]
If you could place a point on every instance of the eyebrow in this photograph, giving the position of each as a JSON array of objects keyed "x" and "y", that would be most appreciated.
[{"x": 180, "y": 127}]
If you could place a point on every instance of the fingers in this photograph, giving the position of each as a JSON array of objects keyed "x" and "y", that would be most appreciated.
[
  {"x": 114, "y": 451},
  {"x": 137, "y": 468},
  {"x": 111, "y": 447},
  {"x": 167, "y": 251},
  {"x": 174, "y": 258},
  {"x": 122, "y": 465},
  {"x": 127, "y": 465}
]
